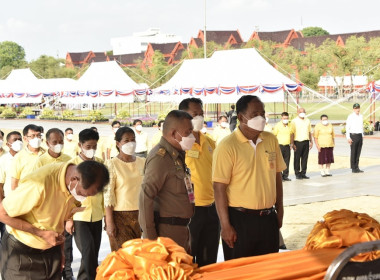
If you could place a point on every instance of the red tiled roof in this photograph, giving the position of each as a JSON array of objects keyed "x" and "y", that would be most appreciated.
[
  {"x": 130, "y": 58},
  {"x": 366, "y": 34},
  {"x": 97, "y": 59},
  {"x": 164, "y": 48},
  {"x": 274, "y": 36},
  {"x": 198, "y": 42},
  {"x": 221, "y": 37},
  {"x": 299, "y": 43},
  {"x": 80, "y": 56},
  {"x": 100, "y": 54}
]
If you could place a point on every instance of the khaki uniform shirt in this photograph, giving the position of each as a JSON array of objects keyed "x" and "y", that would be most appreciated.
[{"x": 163, "y": 188}]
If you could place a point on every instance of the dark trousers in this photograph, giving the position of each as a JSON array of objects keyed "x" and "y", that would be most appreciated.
[
  {"x": 256, "y": 235},
  {"x": 68, "y": 250},
  {"x": 205, "y": 235},
  {"x": 356, "y": 149},
  {"x": 285, "y": 151},
  {"x": 88, "y": 236},
  {"x": 300, "y": 156},
  {"x": 21, "y": 262}
]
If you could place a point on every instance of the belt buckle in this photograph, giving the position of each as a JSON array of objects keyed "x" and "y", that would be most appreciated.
[{"x": 265, "y": 212}]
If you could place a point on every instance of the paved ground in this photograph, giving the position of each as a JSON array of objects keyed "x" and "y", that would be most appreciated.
[{"x": 343, "y": 183}]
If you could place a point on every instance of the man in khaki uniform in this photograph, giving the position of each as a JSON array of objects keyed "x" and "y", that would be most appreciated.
[{"x": 166, "y": 201}]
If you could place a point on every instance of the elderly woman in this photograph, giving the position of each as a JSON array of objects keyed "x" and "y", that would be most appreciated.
[
  {"x": 324, "y": 141},
  {"x": 121, "y": 196}
]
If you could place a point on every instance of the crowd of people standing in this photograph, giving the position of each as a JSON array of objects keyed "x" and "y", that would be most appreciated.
[{"x": 192, "y": 186}]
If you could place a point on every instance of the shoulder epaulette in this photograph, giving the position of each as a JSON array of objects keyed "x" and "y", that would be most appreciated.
[{"x": 161, "y": 152}]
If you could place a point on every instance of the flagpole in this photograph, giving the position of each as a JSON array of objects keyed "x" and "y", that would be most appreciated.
[{"x": 204, "y": 33}]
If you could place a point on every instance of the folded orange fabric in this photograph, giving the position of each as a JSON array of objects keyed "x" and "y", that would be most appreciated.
[{"x": 161, "y": 259}]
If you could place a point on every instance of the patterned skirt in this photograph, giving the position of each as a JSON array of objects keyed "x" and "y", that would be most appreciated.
[
  {"x": 127, "y": 228},
  {"x": 326, "y": 155}
]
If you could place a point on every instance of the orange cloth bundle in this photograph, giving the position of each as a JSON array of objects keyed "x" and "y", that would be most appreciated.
[
  {"x": 344, "y": 228},
  {"x": 145, "y": 259}
]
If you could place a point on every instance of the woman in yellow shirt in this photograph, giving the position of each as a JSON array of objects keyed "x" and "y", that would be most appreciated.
[
  {"x": 324, "y": 141},
  {"x": 121, "y": 195}
]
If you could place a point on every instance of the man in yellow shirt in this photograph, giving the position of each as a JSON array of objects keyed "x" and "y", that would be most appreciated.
[
  {"x": 204, "y": 225},
  {"x": 246, "y": 173},
  {"x": 54, "y": 142},
  {"x": 301, "y": 142},
  {"x": 70, "y": 146},
  {"x": 283, "y": 132},
  {"x": 35, "y": 214},
  {"x": 221, "y": 130},
  {"x": 23, "y": 163},
  {"x": 86, "y": 226}
]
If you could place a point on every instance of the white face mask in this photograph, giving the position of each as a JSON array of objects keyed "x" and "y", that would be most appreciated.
[
  {"x": 187, "y": 142},
  {"x": 74, "y": 193},
  {"x": 115, "y": 129},
  {"x": 325, "y": 122},
  {"x": 35, "y": 142},
  {"x": 285, "y": 121},
  {"x": 197, "y": 123},
  {"x": 1, "y": 143},
  {"x": 224, "y": 124},
  {"x": 57, "y": 148},
  {"x": 16, "y": 146},
  {"x": 129, "y": 148},
  {"x": 256, "y": 123},
  {"x": 302, "y": 115},
  {"x": 139, "y": 127},
  {"x": 204, "y": 130},
  {"x": 69, "y": 136},
  {"x": 89, "y": 153}
]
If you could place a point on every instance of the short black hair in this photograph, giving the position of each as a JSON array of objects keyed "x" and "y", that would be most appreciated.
[
  {"x": 222, "y": 116},
  {"x": 174, "y": 116},
  {"x": 88, "y": 134},
  {"x": 12, "y": 133},
  {"x": 115, "y": 122},
  {"x": 32, "y": 127},
  {"x": 53, "y": 130},
  {"x": 136, "y": 121},
  {"x": 284, "y": 114},
  {"x": 120, "y": 132},
  {"x": 184, "y": 105},
  {"x": 2, "y": 133},
  {"x": 324, "y": 116},
  {"x": 41, "y": 129},
  {"x": 160, "y": 122},
  {"x": 233, "y": 107},
  {"x": 68, "y": 129},
  {"x": 242, "y": 103},
  {"x": 93, "y": 172},
  {"x": 94, "y": 128}
]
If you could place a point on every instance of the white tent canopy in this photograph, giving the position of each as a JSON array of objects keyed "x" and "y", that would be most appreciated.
[
  {"x": 224, "y": 78},
  {"x": 103, "y": 82}
]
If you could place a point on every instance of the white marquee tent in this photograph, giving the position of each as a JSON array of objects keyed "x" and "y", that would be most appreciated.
[{"x": 224, "y": 78}]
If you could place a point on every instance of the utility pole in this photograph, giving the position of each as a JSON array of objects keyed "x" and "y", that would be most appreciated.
[{"x": 204, "y": 35}]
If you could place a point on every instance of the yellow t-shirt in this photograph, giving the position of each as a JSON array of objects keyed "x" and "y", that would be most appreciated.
[
  {"x": 325, "y": 135},
  {"x": 43, "y": 200},
  {"x": 219, "y": 133},
  {"x": 301, "y": 129},
  {"x": 5, "y": 170},
  {"x": 100, "y": 149},
  {"x": 23, "y": 163},
  {"x": 125, "y": 184},
  {"x": 199, "y": 160},
  {"x": 250, "y": 174},
  {"x": 283, "y": 133},
  {"x": 70, "y": 148},
  {"x": 94, "y": 204},
  {"x": 46, "y": 158}
]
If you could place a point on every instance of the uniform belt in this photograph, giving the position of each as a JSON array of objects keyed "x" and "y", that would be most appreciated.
[
  {"x": 355, "y": 133},
  {"x": 210, "y": 205},
  {"x": 18, "y": 245},
  {"x": 174, "y": 221},
  {"x": 260, "y": 212}
]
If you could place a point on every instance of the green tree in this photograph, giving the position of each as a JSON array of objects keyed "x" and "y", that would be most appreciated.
[
  {"x": 50, "y": 67},
  {"x": 11, "y": 54},
  {"x": 314, "y": 31}
]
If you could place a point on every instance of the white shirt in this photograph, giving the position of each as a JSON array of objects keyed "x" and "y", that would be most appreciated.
[
  {"x": 5, "y": 172},
  {"x": 141, "y": 141},
  {"x": 354, "y": 124}
]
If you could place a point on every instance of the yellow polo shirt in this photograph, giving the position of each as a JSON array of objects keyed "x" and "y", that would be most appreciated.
[
  {"x": 250, "y": 174},
  {"x": 125, "y": 184},
  {"x": 70, "y": 148},
  {"x": 46, "y": 158},
  {"x": 43, "y": 200},
  {"x": 219, "y": 133},
  {"x": 325, "y": 135},
  {"x": 199, "y": 160},
  {"x": 94, "y": 204},
  {"x": 283, "y": 133},
  {"x": 23, "y": 163},
  {"x": 301, "y": 129}
]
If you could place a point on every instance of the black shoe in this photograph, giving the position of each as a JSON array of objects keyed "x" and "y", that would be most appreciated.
[
  {"x": 305, "y": 177},
  {"x": 299, "y": 177},
  {"x": 359, "y": 171},
  {"x": 282, "y": 247},
  {"x": 286, "y": 179}
]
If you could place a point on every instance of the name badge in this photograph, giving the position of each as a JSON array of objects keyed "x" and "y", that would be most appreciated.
[
  {"x": 189, "y": 188},
  {"x": 193, "y": 154}
]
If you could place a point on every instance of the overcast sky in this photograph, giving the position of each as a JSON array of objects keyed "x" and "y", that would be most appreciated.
[{"x": 55, "y": 27}]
